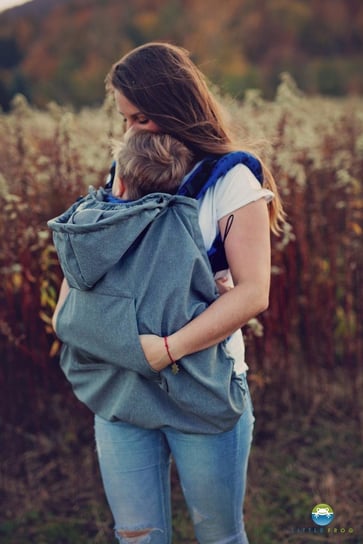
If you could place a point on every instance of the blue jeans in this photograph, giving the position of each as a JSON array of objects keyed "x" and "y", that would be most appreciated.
[{"x": 135, "y": 468}]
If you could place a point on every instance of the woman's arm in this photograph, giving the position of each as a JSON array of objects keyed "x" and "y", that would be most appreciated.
[
  {"x": 64, "y": 290},
  {"x": 248, "y": 253}
]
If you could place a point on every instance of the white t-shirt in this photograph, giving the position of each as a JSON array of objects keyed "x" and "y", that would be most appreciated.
[{"x": 232, "y": 191}]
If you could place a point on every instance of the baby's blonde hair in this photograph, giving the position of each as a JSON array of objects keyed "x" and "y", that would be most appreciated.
[{"x": 151, "y": 162}]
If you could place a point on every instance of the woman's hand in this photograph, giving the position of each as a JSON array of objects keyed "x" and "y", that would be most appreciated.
[
  {"x": 223, "y": 285},
  {"x": 155, "y": 352}
]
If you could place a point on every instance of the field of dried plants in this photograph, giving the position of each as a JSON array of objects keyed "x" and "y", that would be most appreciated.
[{"x": 304, "y": 352}]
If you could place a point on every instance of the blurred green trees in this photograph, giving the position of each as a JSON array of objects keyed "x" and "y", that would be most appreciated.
[{"x": 64, "y": 53}]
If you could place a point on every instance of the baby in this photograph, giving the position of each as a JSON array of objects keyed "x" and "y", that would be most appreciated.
[{"x": 149, "y": 162}]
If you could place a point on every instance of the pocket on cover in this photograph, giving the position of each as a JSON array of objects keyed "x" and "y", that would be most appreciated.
[{"x": 105, "y": 327}]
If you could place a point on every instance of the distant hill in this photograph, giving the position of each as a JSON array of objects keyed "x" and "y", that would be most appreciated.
[
  {"x": 35, "y": 8},
  {"x": 62, "y": 49}
]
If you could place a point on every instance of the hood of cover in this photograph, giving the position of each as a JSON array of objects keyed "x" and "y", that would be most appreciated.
[{"x": 93, "y": 234}]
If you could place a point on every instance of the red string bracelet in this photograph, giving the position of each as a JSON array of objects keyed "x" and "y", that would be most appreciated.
[
  {"x": 174, "y": 366},
  {"x": 167, "y": 349}
]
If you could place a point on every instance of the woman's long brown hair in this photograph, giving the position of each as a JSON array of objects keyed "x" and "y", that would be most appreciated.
[{"x": 167, "y": 87}]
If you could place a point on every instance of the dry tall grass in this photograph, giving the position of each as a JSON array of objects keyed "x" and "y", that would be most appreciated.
[
  {"x": 312, "y": 332},
  {"x": 304, "y": 353}
]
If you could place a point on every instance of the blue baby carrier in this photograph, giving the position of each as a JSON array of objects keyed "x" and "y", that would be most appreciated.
[{"x": 204, "y": 176}]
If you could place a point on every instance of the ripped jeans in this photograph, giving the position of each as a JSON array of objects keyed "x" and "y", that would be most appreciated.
[{"x": 135, "y": 468}]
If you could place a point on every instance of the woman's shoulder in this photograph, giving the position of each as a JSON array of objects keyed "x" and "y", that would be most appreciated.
[{"x": 238, "y": 187}]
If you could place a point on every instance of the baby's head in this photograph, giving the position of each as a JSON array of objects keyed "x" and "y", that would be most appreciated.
[{"x": 149, "y": 162}]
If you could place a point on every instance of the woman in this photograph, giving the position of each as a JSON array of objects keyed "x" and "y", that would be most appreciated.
[{"x": 158, "y": 88}]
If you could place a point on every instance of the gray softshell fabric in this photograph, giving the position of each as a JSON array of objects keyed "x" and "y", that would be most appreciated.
[{"x": 136, "y": 268}]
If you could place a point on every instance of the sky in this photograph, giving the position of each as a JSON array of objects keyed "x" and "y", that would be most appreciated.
[{"x": 5, "y": 4}]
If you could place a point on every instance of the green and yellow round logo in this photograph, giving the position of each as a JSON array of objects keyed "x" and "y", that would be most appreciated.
[{"x": 322, "y": 514}]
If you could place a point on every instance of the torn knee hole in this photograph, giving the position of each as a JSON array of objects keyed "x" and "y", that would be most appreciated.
[{"x": 133, "y": 534}]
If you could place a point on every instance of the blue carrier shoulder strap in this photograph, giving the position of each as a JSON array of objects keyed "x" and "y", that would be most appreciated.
[
  {"x": 111, "y": 175},
  {"x": 206, "y": 175},
  {"x": 212, "y": 168}
]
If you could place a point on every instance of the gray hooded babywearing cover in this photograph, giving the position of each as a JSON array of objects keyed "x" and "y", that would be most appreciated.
[{"x": 140, "y": 267}]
